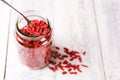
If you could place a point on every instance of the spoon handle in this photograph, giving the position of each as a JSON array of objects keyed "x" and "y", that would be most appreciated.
[{"x": 15, "y": 10}]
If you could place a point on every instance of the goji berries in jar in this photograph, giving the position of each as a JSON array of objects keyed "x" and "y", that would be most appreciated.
[{"x": 33, "y": 40}]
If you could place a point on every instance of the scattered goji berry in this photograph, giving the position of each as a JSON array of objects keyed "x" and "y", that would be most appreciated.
[
  {"x": 64, "y": 56},
  {"x": 64, "y": 61},
  {"x": 52, "y": 68},
  {"x": 66, "y": 50},
  {"x": 84, "y": 65},
  {"x": 52, "y": 62},
  {"x": 73, "y": 72},
  {"x": 80, "y": 59},
  {"x": 84, "y": 53},
  {"x": 64, "y": 72},
  {"x": 56, "y": 47},
  {"x": 61, "y": 58},
  {"x": 69, "y": 69}
]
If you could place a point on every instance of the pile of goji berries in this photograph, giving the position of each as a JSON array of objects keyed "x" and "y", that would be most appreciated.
[
  {"x": 36, "y": 28},
  {"x": 66, "y": 61},
  {"x": 36, "y": 44}
]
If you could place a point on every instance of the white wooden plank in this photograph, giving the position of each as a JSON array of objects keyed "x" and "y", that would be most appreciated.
[
  {"x": 15, "y": 70},
  {"x": 75, "y": 27},
  {"x": 108, "y": 17},
  {"x": 4, "y": 25}
]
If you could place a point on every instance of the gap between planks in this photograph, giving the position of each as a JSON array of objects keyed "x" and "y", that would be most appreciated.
[
  {"x": 7, "y": 44},
  {"x": 99, "y": 38}
]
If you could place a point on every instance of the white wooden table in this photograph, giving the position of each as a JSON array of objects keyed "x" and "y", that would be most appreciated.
[{"x": 91, "y": 25}]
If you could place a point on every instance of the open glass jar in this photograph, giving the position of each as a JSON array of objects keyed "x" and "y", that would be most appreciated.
[{"x": 34, "y": 50}]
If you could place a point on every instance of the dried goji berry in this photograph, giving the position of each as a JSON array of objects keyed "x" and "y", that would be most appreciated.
[
  {"x": 61, "y": 58},
  {"x": 84, "y": 53},
  {"x": 65, "y": 62},
  {"x": 52, "y": 62},
  {"x": 69, "y": 69},
  {"x": 60, "y": 66},
  {"x": 51, "y": 68},
  {"x": 46, "y": 31},
  {"x": 64, "y": 72},
  {"x": 84, "y": 65},
  {"x": 72, "y": 58},
  {"x": 56, "y": 67},
  {"x": 73, "y": 72},
  {"x": 80, "y": 59},
  {"x": 65, "y": 65},
  {"x": 66, "y": 50},
  {"x": 56, "y": 47},
  {"x": 44, "y": 26},
  {"x": 41, "y": 22},
  {"x": 64, "y": 56}
]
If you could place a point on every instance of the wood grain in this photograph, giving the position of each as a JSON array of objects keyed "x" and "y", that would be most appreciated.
[{"x": 108, "y": 19}]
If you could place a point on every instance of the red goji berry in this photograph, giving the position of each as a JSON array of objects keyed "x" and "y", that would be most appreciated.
[
  {"x": 46, "y": 31},
  {"x": 72, "y": 58},
  {"x": 84, "y": 65},
  {"x": 61, "y": 58},
  {"x": 73, "y": 72},
  {"x": 80, "y": 59},
  {"x": 77, "y": 67},
  {"x": 84, "y": 53},
  {"x": 79, "y": 70},
  {"x": 52, "y": 62},
  {"x": 58, "y": 55},
  {"x": 65, "y": 62},
  {"x": 69, "y": 69},
  {"x": 64, "y": 72},
  {"x": 56, "y": 47},
  {"x": 44, "y": 26},
  {"x": 56, "y": 67},
  {"x": 41, "y": 22},
  {"x": 66, "y": 50},
  {"x": 64, "y": 56},
  {"x": 60, "y": 66},
  {"x": 51, "y": 68},
  {"x": 66, "y": 66}
]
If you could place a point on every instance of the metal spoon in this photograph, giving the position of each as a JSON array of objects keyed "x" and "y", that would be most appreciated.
[{"x": 28, "y": 21}]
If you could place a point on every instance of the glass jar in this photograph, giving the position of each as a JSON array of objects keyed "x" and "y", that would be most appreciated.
[{"x": 34, "y": 51}]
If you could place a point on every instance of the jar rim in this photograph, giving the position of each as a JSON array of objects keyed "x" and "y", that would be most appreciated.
[{"x": 28, "y": 36}]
